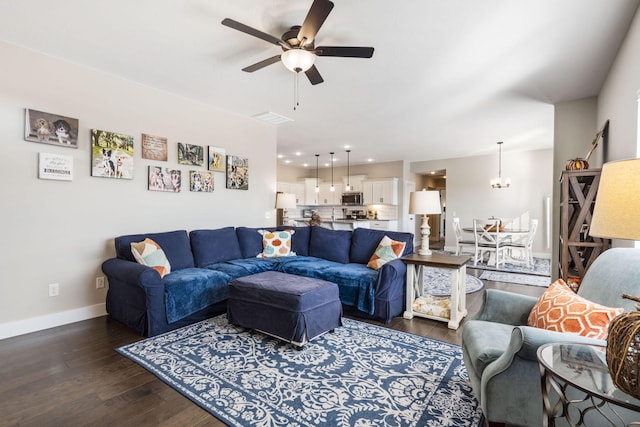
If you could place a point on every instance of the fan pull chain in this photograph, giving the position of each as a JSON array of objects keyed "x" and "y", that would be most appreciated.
[{"x": 296, "y": 91}]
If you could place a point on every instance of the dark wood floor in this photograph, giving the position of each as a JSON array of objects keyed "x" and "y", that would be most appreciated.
[{"x": 71, "y": 375}]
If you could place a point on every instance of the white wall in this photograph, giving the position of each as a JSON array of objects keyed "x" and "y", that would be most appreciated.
[
  {"x": 54, "y": 231},
  {"x": 469, "y": 194}
]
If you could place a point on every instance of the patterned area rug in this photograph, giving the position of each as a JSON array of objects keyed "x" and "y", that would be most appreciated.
[
  {"x": 541, "y": 266},
  {"x": 437, "y": 282},
  {"x": 521, "y": 279},
  {"x": 361, "y": 375}
]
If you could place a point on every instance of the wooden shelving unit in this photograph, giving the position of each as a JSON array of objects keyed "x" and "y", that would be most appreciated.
[{"x": 577, "y": 198}]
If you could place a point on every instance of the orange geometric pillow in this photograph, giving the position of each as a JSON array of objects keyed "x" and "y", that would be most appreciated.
[
  {"x": 560, "y": 309},
  {"x": 387, "y": 250}
]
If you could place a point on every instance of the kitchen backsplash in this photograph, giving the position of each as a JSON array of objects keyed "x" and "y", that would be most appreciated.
[{"x": 385, "y": 212}]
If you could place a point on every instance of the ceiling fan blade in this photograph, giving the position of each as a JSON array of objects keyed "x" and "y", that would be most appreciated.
[
  {"x": 261, "y": 64},
  {"x": 314, "y": 75},
  {"x": 345, "y": 51},
  {"x": 251, "y": 31},
  {"x": 315, "y": 18}
]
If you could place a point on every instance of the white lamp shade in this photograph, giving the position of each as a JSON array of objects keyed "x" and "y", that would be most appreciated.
[
  {"x": 616, "y": 214},
  {"x": 424, "y": 202},
  {"x": 297, "y": 60},
  {"x": 285, "y": 201}
]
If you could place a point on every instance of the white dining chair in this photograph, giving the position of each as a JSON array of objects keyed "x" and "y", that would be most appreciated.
[
  {"x": 489, "y": 239},
  {"x": 461, "y": 242},
  {"x": 525, "y": 246}
]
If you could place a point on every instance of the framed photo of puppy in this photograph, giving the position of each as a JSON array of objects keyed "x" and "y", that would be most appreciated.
[
  {"x": 216, "y": 159},
  {"x": 201, "y": 181},
  {"x": 164, "y": 179},
  {"x": 237, "y": 173},
  {"x": 111, "y": 155},
  {"x": 48, "y": 128}
]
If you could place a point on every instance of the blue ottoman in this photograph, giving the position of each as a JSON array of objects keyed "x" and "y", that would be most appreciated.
[{"x": 293, "y": 308}]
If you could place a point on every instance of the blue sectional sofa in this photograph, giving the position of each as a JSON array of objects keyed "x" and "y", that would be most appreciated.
[{"x": 203, "y": 262}]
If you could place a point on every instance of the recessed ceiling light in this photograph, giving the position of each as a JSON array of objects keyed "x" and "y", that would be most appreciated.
[
  {"x": 305, "y": 165},
  {"x": 298, "y": 153},
  {"x": 369, "y": 160},
  {"x": 287, "y": 161},
  {"x": 271, "y": 118},
  {"x": 326, "y": 164},
  {"x": 280, "y": 156}
]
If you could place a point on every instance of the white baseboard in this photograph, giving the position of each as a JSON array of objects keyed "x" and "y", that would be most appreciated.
[{"x": 34, "y": 324}]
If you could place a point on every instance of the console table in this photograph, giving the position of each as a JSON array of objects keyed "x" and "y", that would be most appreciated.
[
  {"x": 415, "y": 284},
  {"x": 577, "y": 374}
]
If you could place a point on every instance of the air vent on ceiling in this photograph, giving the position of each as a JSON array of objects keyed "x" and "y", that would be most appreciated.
[{"x": 272, "y": 118}]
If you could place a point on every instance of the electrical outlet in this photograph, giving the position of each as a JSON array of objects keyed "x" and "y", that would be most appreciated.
[
  {"x": 54, "y": 289},
  {"x": 100, "y": 282}
]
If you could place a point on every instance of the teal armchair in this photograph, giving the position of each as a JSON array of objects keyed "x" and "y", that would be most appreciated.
[{"x": 499, "y": 350}]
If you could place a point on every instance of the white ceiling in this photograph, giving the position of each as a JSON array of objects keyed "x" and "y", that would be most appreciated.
[{"x": 449, "y": 78}]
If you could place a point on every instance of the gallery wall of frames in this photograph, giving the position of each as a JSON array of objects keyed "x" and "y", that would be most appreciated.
[{"x": 112, "y": 157}]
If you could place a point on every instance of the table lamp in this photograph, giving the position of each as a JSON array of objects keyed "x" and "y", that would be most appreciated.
[
  {"x": 285, "y": 201},
  {"x": 424, "y": 203},
  {"x": 616, "y": 215}
]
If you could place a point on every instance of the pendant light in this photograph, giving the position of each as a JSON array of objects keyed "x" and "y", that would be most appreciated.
[
  {"x": 497, "y": 182},
  {"x": 333, "y": 188},
  {"x": 317, "y": 180},
  {"x": 348, "y": 187}
]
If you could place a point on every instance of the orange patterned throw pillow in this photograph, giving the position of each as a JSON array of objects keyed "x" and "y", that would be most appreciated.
[
  {"x": 387, "y": 250},
  {"x": 150, "y": 254},
  {"x": 276, "y": 244},
  {"x": 560, "y": 309}
]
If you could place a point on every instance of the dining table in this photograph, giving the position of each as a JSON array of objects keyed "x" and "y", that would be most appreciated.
[{"x": 506, "y": 234}]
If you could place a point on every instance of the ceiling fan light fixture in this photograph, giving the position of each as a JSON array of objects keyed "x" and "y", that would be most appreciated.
[{"x": 298, "y": 60}]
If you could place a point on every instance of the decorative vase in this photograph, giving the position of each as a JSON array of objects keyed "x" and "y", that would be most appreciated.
[
  {"x": 577, "y": 164},
  {"x": 623, "y": 352}
]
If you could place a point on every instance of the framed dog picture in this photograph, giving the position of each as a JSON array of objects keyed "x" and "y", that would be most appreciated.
[
  {"x": 49, "y": 128},
  {"x": 216, "y": 159},
  {"x": 111, "y": 155},
  {"x": 192, "y": 155},
  {"x": 237, "y": 173},
  {"x": 201, "y": 181},
  {"x": 165, "y": 179}
]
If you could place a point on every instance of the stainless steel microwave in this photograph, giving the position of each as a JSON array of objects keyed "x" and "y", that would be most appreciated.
[{"x": 352, "y": 199}]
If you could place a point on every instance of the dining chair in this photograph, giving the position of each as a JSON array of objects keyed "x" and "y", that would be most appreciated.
[
  {"x": 460, "y": 240},
  {"x": 488, "y": 238},
  {"x": 525, "y": 246}
]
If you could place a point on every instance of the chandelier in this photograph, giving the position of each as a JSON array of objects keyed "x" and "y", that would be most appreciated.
[{"x": 497, "y": 182}]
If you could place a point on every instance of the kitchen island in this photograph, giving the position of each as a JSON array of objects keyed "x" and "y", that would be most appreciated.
[{"x": 352, "y": 224}]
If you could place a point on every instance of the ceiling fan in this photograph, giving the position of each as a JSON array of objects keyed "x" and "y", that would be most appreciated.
[{"x": 297, "y": 44}]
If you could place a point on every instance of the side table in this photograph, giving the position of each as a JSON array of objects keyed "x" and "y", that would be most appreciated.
[
  {"x": 415, "y": 284},
  {"x": 579, "y": 376}
]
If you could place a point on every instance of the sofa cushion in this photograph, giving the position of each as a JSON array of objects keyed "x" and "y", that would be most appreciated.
[
  {"x": 149, "y": 253},
  {"x": 484, "y": 342},
  {"x": 332, "y": 245},
  {"x": 250, "y": 241},
  {"x": 365, "y": 241},
  {"x": 276, "y": 244},
  {"x": 192, "y": 289},
  {"x": 562, "y": 310},
  {"x": 300, "y": 240},
  {"x": 175, "y": 245},
  {"x": 387, "y": 250},
  {"x": 211, "y": 246},
  {"x": 356, "y": 284}
]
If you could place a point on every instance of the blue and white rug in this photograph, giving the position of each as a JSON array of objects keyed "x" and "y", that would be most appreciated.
[
  {"x": 437, "y": 282},
  {"x": 540, "y": 267},
  {"x": 521, "y": 279},
  {"x": 361, "y": 375}
]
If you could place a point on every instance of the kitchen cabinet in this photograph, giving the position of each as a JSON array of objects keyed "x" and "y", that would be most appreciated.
[
  {"x": 355, "y": 181},
  {"x": 383, "y": 225},
  {"x": 328, "y": 197},
  {"x": 296, "y": 188},
  {"x": 310, "y": 195},
  {"x": 380, "y": 191}
]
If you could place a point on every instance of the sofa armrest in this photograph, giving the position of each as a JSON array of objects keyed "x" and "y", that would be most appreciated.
[
  {"x": 505, "y": 307},
  {"x": 390, "y": 272},
  {"x": 525, "y": 340},
  {"x": 120, "y": 270}
]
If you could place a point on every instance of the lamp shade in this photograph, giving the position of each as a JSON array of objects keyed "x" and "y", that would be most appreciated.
[
  {"x": 424, "y": 202},
  {"x": 285, "y": 201},
  {"x": 297, "y": 60},
  {"x": 616, "y": 214}
]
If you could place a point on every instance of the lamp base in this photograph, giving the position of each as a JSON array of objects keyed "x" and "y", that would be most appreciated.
[{"x": 425, "y": 231}]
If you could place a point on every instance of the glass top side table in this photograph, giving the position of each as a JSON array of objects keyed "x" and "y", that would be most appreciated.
[{"x": 586, "y": 396}]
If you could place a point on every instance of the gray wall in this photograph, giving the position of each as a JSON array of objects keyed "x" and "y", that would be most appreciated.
[{"x": 61, "y": 232}]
